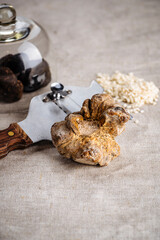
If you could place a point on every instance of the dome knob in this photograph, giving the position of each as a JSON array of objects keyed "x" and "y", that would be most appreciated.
[{"x": 7, "y": 14}]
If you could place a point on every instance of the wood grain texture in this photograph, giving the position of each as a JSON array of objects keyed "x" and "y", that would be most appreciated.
[{"x": 13, "y": 138}]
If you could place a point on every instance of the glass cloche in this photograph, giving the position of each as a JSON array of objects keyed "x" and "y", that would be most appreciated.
[{"x": 23, "y": 46}]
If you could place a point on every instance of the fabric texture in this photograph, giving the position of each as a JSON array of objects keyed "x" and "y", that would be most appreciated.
[{"x": 45, "y": 196}]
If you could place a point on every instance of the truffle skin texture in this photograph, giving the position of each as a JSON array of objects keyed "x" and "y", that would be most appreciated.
[
  {"x": 14, "y": 62},
  {"x": 88, "y": 136},
  {"x": 11, "y": 89}
]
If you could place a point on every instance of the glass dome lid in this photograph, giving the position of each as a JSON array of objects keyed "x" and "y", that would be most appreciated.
[
  {"x": 23, "y": 49},
  {"x": 15, "y": 30}
]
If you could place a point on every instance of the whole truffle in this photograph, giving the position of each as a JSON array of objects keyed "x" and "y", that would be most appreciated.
[
  {"x": 13, "y": 62},
  {"x": 11, "y": 89},
  {"x": 88, "y": 136}
]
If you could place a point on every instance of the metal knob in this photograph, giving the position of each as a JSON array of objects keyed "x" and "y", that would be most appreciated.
[
  {"x": 56, "y": 87},
  {"x": 57, "y": 93}
]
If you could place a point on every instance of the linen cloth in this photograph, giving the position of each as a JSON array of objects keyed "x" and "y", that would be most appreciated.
[{"x": 45, "y": 196}]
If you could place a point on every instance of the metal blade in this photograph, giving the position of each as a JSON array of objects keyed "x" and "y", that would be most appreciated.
[
  {"x": 72, "y": 106},
  {"x": 42, "y": 115},
  {"x": 73, "y": 102}
]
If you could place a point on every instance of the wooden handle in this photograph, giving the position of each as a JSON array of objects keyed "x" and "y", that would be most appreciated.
[{"x": 13, "y": 138}]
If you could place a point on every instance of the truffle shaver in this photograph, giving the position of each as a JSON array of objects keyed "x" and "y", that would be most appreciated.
[{"x": 44, "y": 111}]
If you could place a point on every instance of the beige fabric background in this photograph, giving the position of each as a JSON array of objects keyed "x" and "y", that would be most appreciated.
[{"x": 44, "y": 196}]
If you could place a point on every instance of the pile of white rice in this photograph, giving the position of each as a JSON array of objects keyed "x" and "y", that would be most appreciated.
[{"x": 132, "y": 92}]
